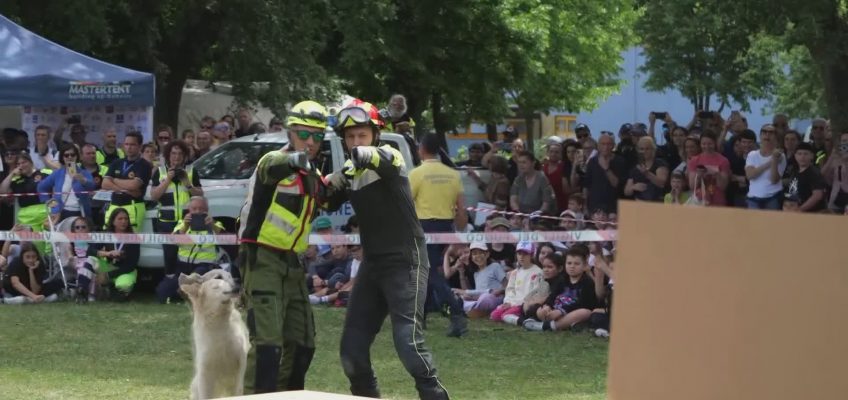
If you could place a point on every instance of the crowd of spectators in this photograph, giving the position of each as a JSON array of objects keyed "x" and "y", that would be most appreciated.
[{"x": 541, "y": 286}]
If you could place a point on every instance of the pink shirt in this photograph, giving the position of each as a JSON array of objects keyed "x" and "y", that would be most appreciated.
[{"x": 715, "y": 163}]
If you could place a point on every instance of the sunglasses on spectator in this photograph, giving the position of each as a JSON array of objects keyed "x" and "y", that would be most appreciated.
[
  {"x": 78, "y": 227},
  {"x": 69, "y": 155},
  {"x": 316, "y": 136}
]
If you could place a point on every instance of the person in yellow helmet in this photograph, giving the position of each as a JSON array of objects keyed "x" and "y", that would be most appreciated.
[{"x": 285, "y": 194}]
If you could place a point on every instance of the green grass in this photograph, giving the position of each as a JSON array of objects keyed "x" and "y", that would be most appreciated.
[{"x": 142, "y": 351}]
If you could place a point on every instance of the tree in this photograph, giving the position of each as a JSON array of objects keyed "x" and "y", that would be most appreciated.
[
  {"x": 574, "y": 55},
  {"x": 695, "y": 48},
  {"x": 799, "y": 92},
  {"x": 240, "y": 41},
  {"x": 454, "y": 58}
]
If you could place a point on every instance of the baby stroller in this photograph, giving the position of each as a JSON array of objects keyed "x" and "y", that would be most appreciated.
[{"x": 59, "y": 258}]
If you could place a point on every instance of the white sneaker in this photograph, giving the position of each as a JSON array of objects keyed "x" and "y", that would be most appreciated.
[
  {"x": 16, "y": 300},
  {"x": 533, "y": 325},
  {"x": 602, "y": 333},
  {"x": 511, "y": 319},
  {"x": 53, "y": 297},
  {"x": 92, "y": 298}
]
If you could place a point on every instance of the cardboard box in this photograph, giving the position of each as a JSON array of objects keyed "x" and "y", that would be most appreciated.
[{"x": 720, "y": 303}]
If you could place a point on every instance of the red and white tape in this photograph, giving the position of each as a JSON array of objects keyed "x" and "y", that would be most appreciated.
[
  {"x": 510, "y": 213},
  {"x": 230, "y": 239}
]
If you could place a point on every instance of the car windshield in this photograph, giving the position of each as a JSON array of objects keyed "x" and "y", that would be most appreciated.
[{"x": 233, "y": 160}]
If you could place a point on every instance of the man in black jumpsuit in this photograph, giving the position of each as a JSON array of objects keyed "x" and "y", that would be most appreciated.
[{"x": 392, "y": 279}]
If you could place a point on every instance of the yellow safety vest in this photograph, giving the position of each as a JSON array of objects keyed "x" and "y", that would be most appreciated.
[
  {"x": 288, "y": 220},
  {"x": 100, "y": 156},
  {"x": 197, "y": 253},
  {"x": 176, "y": 197}
]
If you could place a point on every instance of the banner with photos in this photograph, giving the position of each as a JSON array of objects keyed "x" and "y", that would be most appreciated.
[{"x": 96, "y": 119}]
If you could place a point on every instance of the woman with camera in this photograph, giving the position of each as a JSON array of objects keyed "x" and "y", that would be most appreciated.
[
  {"x": 68, "y": 187},
  {"x": 173, "y": 185}
]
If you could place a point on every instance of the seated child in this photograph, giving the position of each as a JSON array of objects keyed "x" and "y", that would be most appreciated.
[
  {"x": 522, "y": 281},
  {"x": 575, "y": 303},
  {"x": 340, "y": 293},
  {"x": 489, "y": 282},
  {"x": 23, "y": 281},
  {"x": 553, "y": 271},
  {"x": 677, "y": 195},
  {"x": 603, "y": 273}
]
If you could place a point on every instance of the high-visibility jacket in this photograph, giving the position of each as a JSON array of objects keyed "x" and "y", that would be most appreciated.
[
  {"x": 176, "y": 196},
  {"x": 100, "y": 156},
  {"x": 198, "y": 253},
  {"x": 281, "y": 204}
]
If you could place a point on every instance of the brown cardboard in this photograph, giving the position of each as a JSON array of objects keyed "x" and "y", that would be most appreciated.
[{"x": 720, "y": 303}]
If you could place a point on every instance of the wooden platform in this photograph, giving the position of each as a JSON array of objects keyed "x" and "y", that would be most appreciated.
[{"x": 298, "y": 395}]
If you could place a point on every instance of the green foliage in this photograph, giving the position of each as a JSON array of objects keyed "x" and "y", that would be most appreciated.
[
  {"x": 143, "y": 351},
  {"x": 799, "y": 92},
  {"x": 575, "y": 52},
  {"x": 694, "y": 47}
]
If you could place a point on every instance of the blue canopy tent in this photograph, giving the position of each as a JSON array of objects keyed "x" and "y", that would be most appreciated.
[{"x": 37, "y": 72}]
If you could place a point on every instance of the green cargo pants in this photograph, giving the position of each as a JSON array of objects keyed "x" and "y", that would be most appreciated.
[{"x": 279, "y": 318}]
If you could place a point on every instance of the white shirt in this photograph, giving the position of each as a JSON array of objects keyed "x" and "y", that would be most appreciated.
[
  {"x": 761, "y": 186},
  {"x": 71, "y": 200},
  {"x": 354, "y": 268},
  {"x": 37, "y": 160}
]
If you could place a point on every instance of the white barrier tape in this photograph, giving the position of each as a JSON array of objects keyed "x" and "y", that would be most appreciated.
[{"x": 229, "y": 239}]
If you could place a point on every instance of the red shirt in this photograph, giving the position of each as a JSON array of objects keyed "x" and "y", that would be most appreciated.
[
  {"x": 554, "y": 174},
  {"x": 715, "y": 163}
]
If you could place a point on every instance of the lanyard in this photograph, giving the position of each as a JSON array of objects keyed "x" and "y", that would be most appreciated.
[{"x": 126, "y": 167}]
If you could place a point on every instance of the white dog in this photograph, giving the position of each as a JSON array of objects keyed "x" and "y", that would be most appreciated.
[{"x": 220, "y": 336}]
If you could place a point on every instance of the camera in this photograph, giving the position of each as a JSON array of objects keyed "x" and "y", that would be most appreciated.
[
  {"x": 179, "y": 174},
  {"x": 660, "y": 115}
]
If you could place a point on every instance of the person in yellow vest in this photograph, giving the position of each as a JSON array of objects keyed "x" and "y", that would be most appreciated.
[
  {"x": 196, "y": 257},
  {"x": 110, "y": 151},
  {"x": 127, "y": 179},
  {"x": 440, "y": 207},
  {"x": 172, "y": 185},
  {"x": 24, "y": 179},
  {"x": 285, "y": 193}
]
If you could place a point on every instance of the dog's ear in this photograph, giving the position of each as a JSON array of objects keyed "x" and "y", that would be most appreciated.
[{"x": 190, "y": 284}]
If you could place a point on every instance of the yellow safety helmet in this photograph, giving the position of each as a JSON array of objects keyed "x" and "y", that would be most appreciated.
[{"x": 308, "y": 113}]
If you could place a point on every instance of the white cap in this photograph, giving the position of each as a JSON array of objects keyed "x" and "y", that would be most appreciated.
[{"x": 479, "y": 246}]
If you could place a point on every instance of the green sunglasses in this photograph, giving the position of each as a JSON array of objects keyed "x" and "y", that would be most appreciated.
[{"x": 316, "y": 136}]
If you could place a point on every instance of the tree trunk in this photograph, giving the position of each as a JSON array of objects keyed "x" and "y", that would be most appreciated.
[
  {"x": 169, "y": 94},
  {"x": 834, "y": 69},
  {"x": 531, "y": 134},
  {"x": 492, "y": 132},
  {"x": 438, "y": 119},
  {"x": 415, "y": 108}
]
